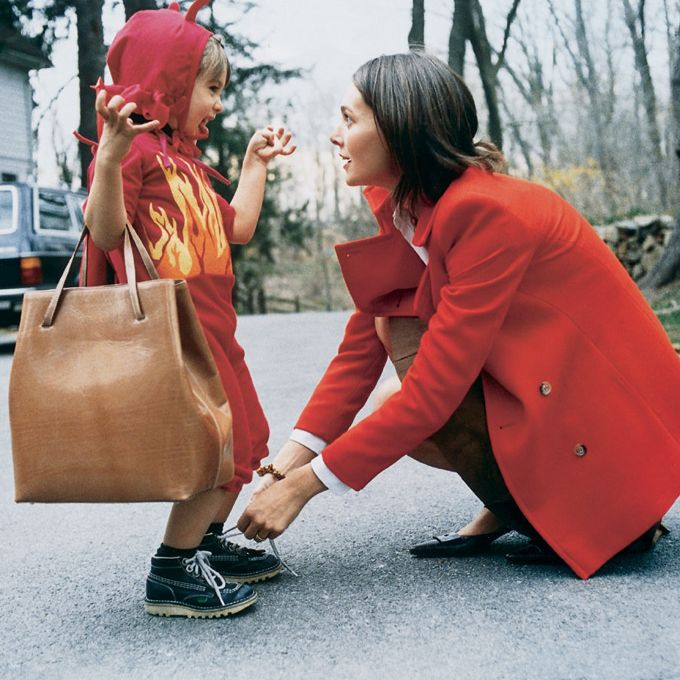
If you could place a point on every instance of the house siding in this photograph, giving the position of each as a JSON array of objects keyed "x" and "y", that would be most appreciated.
[{"x": 15, "y": 114}]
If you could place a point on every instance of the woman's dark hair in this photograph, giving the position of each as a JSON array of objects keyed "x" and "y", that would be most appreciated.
[{"x": 428, "y": 120}]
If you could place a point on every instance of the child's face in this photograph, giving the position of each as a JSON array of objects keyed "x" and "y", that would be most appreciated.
[{"x": 206, "y": 103}]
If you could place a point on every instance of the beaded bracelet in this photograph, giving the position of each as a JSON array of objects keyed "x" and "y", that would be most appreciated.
[{"x": 270, "y": 470}]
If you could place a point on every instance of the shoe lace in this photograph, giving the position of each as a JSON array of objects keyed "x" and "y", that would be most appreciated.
[
  {"x": 199, "y": 566},
  {"x": 234, "y": 531}
]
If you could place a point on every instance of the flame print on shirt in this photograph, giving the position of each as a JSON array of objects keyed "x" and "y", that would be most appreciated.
[{"x": 197, "y": 244}]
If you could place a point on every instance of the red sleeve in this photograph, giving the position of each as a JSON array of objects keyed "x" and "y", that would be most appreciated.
[
  {"x": 347, "y": 382},
  {"x": 484, "y": 271},
  {"x": 132, "y": 172},
  {"x": 228, "y": 215}
]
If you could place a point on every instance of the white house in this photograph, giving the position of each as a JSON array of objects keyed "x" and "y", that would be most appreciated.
[{"x": 17, "y": 57}]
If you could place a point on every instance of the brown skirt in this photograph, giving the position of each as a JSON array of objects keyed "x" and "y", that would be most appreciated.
[{"x": 464, "y": 440}]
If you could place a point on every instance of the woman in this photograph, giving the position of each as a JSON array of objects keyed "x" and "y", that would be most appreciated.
[{"x": 524, "y": 380}]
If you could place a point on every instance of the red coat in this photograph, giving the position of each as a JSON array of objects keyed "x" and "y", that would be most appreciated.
[{"x": 581, "y": 383}]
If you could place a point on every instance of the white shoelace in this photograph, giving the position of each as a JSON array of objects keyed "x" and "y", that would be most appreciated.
[
  {"x": 199, "y": 565},
  {"x": 234, "y": 531}
]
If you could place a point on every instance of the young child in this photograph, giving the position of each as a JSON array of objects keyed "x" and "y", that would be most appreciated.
[{"x": 168, "y": 74}]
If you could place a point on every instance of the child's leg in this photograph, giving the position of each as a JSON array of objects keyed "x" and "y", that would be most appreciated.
[
  {"x": 233, "y": 561},
  {"x": 182, "y": 582},
  {"x": 189, "y": 520},
  {"x": 225, "y": 507}
]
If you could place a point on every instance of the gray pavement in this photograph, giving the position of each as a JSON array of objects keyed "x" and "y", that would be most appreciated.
[{"x": 72, "y": 579}]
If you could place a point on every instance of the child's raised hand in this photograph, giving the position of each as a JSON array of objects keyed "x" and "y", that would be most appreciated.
[
  {"x": 268, "y": 143},
  {"x": 119, "y": 130}
]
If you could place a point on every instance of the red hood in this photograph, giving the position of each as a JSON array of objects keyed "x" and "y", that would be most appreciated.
[{"x": 154, "y": 60}]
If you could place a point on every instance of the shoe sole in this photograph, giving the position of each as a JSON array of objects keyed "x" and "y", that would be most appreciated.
[
  {"x": 190, "y": 613},
  {"x": 255, "y": 578}
]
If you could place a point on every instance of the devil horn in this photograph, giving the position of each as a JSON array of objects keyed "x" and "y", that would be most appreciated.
[{"x": 194, "y": 9}]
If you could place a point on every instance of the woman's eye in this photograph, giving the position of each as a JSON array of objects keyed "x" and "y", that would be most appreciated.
[{"x": 347, "y": 119}]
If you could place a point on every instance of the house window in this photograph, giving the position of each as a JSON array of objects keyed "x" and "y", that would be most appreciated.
[{"x": 9, "y": 177}]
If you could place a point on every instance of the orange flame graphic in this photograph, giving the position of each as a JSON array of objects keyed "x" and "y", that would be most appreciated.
[{"x": 197, "y": 245}]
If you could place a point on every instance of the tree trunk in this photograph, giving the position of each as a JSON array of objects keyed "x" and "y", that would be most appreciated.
[
  {"x": 487, "y": 71},
  {"x": 634, "y": 21},
  {"x": 416, "y": 36},
  {"x": 460, "y": 31},
  {"x": 667, "y": 269},
  {"x": 132, "y": 6},
  {"x": 91, "y": 60}
]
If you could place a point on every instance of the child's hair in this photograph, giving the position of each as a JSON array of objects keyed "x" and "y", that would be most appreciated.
[
  {"x": 428, "y": 120},
  {"x": 214, "y": 60}
]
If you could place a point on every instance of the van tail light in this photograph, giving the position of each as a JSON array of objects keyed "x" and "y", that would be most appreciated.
[{"x": 31, "y": 271}]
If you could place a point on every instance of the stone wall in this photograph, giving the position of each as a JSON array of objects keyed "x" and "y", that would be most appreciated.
[{"x": 638, "y": 242}]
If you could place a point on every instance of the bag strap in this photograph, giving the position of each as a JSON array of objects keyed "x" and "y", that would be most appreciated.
[{"x": 131, "y": 236}]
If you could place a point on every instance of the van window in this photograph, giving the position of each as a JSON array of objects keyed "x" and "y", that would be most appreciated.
[
  {"x": 7, "y": 209},
  {"x": 54, "y": 213},
  {"x": 76, "y": 201}
]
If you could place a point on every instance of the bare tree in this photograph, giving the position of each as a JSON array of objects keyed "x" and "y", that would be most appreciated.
[
  {"x": 600, "y": 108},
  {"x": 132, "y": 6},
  {"x": 468, "y": 22},
  {"x": 667, "y": 269},
  {"x": 635, "y": 20},
  {"x": 416, "y": 36},
  {"x": 91, "y": 59},
  {"x": 537, "y": 91},
  {"x": 460, "y": 29}
]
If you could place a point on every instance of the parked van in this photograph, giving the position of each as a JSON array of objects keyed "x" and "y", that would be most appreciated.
[{"x": 39, "y": 229}]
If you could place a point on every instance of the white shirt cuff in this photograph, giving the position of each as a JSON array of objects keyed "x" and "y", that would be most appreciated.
[
  {"x": 327, "y": 478},
  {"x": 311, "y": 441}
]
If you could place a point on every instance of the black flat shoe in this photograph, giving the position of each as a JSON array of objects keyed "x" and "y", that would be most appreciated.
[
  {"x": 455, "y": 545},
  {"x": 541, "y": 553},
  {"x": 647, "y": 541},
  {"x": 534, "y": 553}
]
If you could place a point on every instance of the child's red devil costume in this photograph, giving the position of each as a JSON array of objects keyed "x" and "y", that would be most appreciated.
[{"x": 186, "y": 226}]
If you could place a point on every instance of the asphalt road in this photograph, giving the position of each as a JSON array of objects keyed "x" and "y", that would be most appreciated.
[{"x": 72, "y": 579}]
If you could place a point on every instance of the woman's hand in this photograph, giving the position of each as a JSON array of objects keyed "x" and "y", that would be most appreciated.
[
  {"x": 271, "y": 511},
  {"x": 119, "y": 130},
  {"x": 262, "y": 486},
  {"x": 268, "y": 143}
]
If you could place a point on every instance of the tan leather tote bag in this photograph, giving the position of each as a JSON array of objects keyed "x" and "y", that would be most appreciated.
[{"x": 114, "y": 395}]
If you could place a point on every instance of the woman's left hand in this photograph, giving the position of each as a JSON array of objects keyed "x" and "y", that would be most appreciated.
[{"x": 271, "y": 511}]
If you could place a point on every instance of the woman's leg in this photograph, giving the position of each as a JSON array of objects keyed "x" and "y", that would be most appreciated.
[
  {"x": 428, "y": 453},
  {"x": 463, "y": 444}
]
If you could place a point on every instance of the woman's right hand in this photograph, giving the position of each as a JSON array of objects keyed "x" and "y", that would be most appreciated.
[{"x": 119, "y": 130}]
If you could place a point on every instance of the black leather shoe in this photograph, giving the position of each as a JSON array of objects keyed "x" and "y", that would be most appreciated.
[
  {"x": 647, "y": 541},
  {"x": 541, "y": 553},
  {"x": 534, "y": 553},
  {"x": 455, "y": 545}
]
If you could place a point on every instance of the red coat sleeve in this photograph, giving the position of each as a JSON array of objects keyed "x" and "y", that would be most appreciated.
[
  {"x": 347, "y": 382},
  {"x": 488, "y": 250}
]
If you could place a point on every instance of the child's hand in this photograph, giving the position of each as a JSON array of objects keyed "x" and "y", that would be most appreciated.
[
  {"x": 268, "y": 143},
  {"x": 119, "y": 130}
]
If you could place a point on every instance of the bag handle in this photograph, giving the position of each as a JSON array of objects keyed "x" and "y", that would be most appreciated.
[{"x": 131, "y": 236}]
